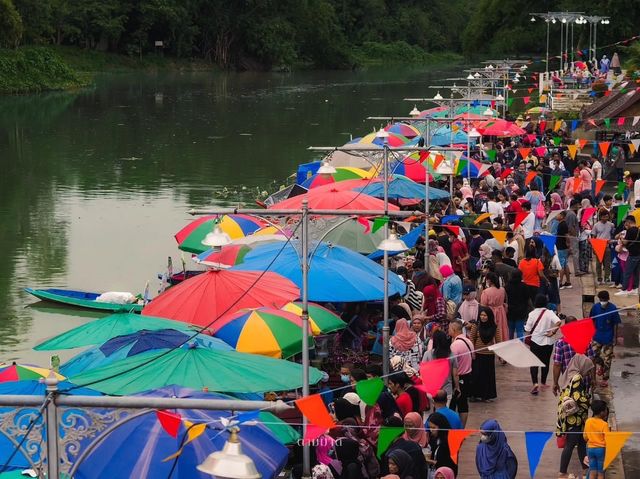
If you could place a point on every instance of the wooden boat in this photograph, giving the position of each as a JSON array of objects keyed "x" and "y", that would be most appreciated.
[
  {"x": 81, "y": 299},
  {"x": 179, "y": 277}
]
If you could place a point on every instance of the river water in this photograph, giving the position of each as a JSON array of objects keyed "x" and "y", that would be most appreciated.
[{"x": 94, "y": 183}]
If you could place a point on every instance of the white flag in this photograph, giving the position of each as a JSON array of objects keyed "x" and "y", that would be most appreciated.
[
  {"x": 635, "y": 120},
  {"x": 636, "y": 144},
  {"x": 516, "y": 353}
]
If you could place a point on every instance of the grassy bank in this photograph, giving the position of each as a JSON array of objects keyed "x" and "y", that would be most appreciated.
[{"x": 374, "y": 53}]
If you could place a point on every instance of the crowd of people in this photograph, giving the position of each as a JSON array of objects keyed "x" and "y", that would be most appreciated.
[{"x": 468, "y": 289}]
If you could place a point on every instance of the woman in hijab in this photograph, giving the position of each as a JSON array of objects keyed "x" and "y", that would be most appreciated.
[
  {"x": 468, "y": 310},
  {"x": 434, "y": 305},
  {"x": 444, "y": 473},
  {"x": 417, "y": 326},
  {"x": 518, "y": 301},
  {"x": 573, "y": 409},
  {"x": 346, "y": 464},
  {"x": 495, "y": 297},
  {"x": 439, "y": 428},
  {"x": 484, "y": 333},
  {"x": 494, "y": 457},
  {"x": 344, "y": 409},
  {"x": 401, "y": 464},
  {"x": 406, "y": 344},
  {"x": 414, "y": 429}
]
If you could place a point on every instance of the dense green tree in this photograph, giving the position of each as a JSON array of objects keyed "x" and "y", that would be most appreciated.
[{"x": 10, "y": 25}]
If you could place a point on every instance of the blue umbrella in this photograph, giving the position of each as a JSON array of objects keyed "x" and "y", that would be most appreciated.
[
  {"x": 128, "y": 345},
  {"x": 409, "y": 239},
  {"x": 336, "y": 274},
  {"x": 23, "y": 416},
  {"x": 138, "y": 446},
  {"x": 443, "y": 137},
  {"x": 403, "y": 188}
]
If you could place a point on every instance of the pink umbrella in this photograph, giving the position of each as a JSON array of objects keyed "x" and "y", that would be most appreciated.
[
  {"x": 499, "y": 128},
  {"x": 206, "y": 298},
  {"x": 334, "y": 199}
]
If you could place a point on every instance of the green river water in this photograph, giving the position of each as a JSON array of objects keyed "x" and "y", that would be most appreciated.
[{"x": 94, "y": 183}]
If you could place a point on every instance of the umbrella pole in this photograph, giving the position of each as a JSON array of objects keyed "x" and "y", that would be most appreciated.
[
  {"x": 306, "y": 453},
  {"x": 385, "y": 327},
  {"x": 426, "y": 203}
]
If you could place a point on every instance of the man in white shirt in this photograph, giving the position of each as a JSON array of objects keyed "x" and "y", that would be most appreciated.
[
  {"x": 596, "y": 167},
  {"x": 528, "y": 224},
  {"x": 636, "y": 191},
  {"x": 494, "y": 208}
]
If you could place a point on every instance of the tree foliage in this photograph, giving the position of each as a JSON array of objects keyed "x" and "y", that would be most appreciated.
[{"x": 10, "y": 25}]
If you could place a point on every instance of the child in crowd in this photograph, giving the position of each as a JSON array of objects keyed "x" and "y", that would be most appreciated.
[{"x": 595, "y": 429}]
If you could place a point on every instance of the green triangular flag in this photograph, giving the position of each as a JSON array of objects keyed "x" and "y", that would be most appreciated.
[
  {"x": 379, "y": 223},
  {"x": 622, "y": 213},
  {"x": 492, "y": 154},
  {"x": 386, "y": 436},
  {"x": 510, "y": 102},
  {"x": 369, "y": 390},
  {"x": 607, "y": 122},
  {"x": 555, "y": 179},
  {"x": 556, "y": 140},
  {"x": 462, "y": 163},
  {"x": 621, "y": 187},
  {"x": 623, "y": 90}
]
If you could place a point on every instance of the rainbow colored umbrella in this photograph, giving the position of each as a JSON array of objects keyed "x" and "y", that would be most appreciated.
[
  {"x": 226, "y": 257},
  {"x": 342, "y": 173},
  {"x": 334, "y": 199},
  {"x": 21, "y": 372},
  {"x": 322, "y": 320},
  {"x": 265, "y": 331},
  {"x": 236, "y": 226},
  {"x": 403, "y": 129},
  {"x": 412, "y": 167},
  {"x": 372, "y": 139}
]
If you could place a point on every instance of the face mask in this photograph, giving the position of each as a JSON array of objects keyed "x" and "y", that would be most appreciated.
[
  {"x": 604, "y": 303},
  {"x": 484, "y": 438},
  {"x": 345, "y": 378}
]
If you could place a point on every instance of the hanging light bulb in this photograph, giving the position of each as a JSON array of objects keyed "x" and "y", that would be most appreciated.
[
  {"x": 415, "y": 112},
  {"x": 438, "y": 96}
]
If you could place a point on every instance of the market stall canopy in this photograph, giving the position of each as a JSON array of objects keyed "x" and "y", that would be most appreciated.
[
  {"x": 334, "y": 199},
  {"x": 236, "y": 226},
  {"x": 403, "y": 188}
]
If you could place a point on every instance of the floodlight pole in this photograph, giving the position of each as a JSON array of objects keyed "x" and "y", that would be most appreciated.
[
  {"x": 306, "y": 452},
  {"x": 385, "y": 259}
]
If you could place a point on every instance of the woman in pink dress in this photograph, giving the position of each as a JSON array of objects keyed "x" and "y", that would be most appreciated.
[{"x": 495, "y": 297}]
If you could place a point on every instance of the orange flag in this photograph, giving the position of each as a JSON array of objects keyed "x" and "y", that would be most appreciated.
[
  {"x": 599, "y": 247},
  {"x": 524, "y": 152},
  {"x": 573, "y": 149},
  {"x": 456, "y": 438},
  {"x": 520, "y": 216},
  {"x": 438, "y": 159},
  {"x": 454, "y": 229},
  {"x": 604, "y": 147},
  {"x": 543, "y": 98},
  {"x": 194, "y": 431},
  {"x": 557, "y": 125},
  {"x": 614, "y": 442},
  {"x": 315, "y": 411},
  {"x": 582, "y": 142},
  {"x": 530, "y": 176},
  {"x": 577, "y": 184},
  {"x": 599, "y": 185},
  {"x": 481, "y": 217},
  {"x": 500, "y": 236}
]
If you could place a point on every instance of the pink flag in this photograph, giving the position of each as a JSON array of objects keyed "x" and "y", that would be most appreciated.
[
  {"x": 433, "y": 375},
  {"x": 365, "y": 222},
  {"x": 587, "y": 214}
]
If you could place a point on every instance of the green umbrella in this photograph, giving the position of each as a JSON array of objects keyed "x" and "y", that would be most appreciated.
[
  {"x": 280, "y": 429},
  {"x": 196, "y": 368},
  {"x": 351, "y": 234},
  {"x": 104, "y": 329}
]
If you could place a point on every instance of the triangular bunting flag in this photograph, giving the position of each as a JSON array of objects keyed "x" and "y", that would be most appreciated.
[
  {"x": 620, "y": 121},
  {"x": 385, "y": 438},
  {"x": 449, "y": 218},
  {"x": 599, "y": 185},
  {"x": 248, "y": 416},
  {"x": 313, "y": 432},
  {"x": 170, "y": 422},
  {"x": 454, "y": 229},
  {"x": 530, "y": 90},
  {"x": 535, "y": 442},
  {"x": 492, "y": 155},
  {"x": 433, "y": 374},
  {"x": 438, "y": 158},
  {"x": 526, "y": 99},
  {"x": 379, "y": 223},
  {"x": 591, "y": 121},
  {"x": 557, "y": 125},
  {"x": 553, "y": 182},
  {"x": 541, "y": 151},
  {"x": 530, "y": 177},
  {"x": 635, "y": 120},
  {"x": 510, "y": 101},
  {"x": 542, "y": 123},
  {"x": 193, "y": 432},
  {"x": 636, "y": 144},
  {"x": 587, "y": 214},
  {"x": 500, "y": 236},
  {"x": 582, "y": 142},
  {"x": 524, "y": 152},
  {"x": 520, "y": 216},
  {"x": 607, "y": 122},
  {"x": 365, "y": 223},
  {"x": 622, "y": 213},
  {"x": 549, "y": 242},
  {"x": 578, "y": 334},
  {"x": 574, "y": 124},
  {"x": 599, "y": 247},
  {"x": 604, "y": 147},
  {"x": 456, "y": 438},
  {"x": 369, "y": 390},
  {"x": 506, "y": 172},
  {"x": 557, "y": 140},
  {"x": 614, "y": 442},
  {"x": 516, "y": 353},
  {"x": 315, "y": 411},
  {"x": 481, "y": 218},
  {"x": 573, "y": 149},
  {"x": 620, "y": 188},
  {"x": 543, "y": 98},
  {"x": 461, "y": 165}
]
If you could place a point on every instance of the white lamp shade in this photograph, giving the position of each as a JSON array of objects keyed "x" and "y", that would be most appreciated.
[
  {"x": 499, "y": 98},
  {"x": 470, "y": 77},
  {"x": 488, "y": 112},
  {"x": 326, "y": 169},
  {"x": 474, "y": 133},
  {"x": 438, "y": 96},
  {"x": 477, "y": 75},
  {"x": 414, "y": 112},
  {"x": 230, "y": 462},
  {"x": 392, "y": 243},
  {"x": 217, "y": 238},
  {"x": 381, "y": 133}
]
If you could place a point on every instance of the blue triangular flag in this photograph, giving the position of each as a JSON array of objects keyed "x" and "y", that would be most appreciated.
[
  {"x": 549, "y": 242},
  {"x": 475, "y": 103},
  {"x": 248, "y": 416},
  {"x": 449, "y": 219},
  {"x": 574, "y": 124},
  {"x": 535, "y": 442}
]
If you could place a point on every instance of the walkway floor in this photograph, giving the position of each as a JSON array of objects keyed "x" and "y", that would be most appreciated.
[{"x": 517, "y": 410}]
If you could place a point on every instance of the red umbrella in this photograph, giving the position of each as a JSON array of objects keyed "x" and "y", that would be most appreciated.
[
  {"x": 499, "y": 128},
  {"x": 210, "y": 296},
  {"x": 324, "y": 198}
]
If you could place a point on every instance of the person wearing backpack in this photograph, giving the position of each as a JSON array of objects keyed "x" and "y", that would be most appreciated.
[
  {"x": 494, "y": 457},
  {"x": 573, "y": 411}
]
